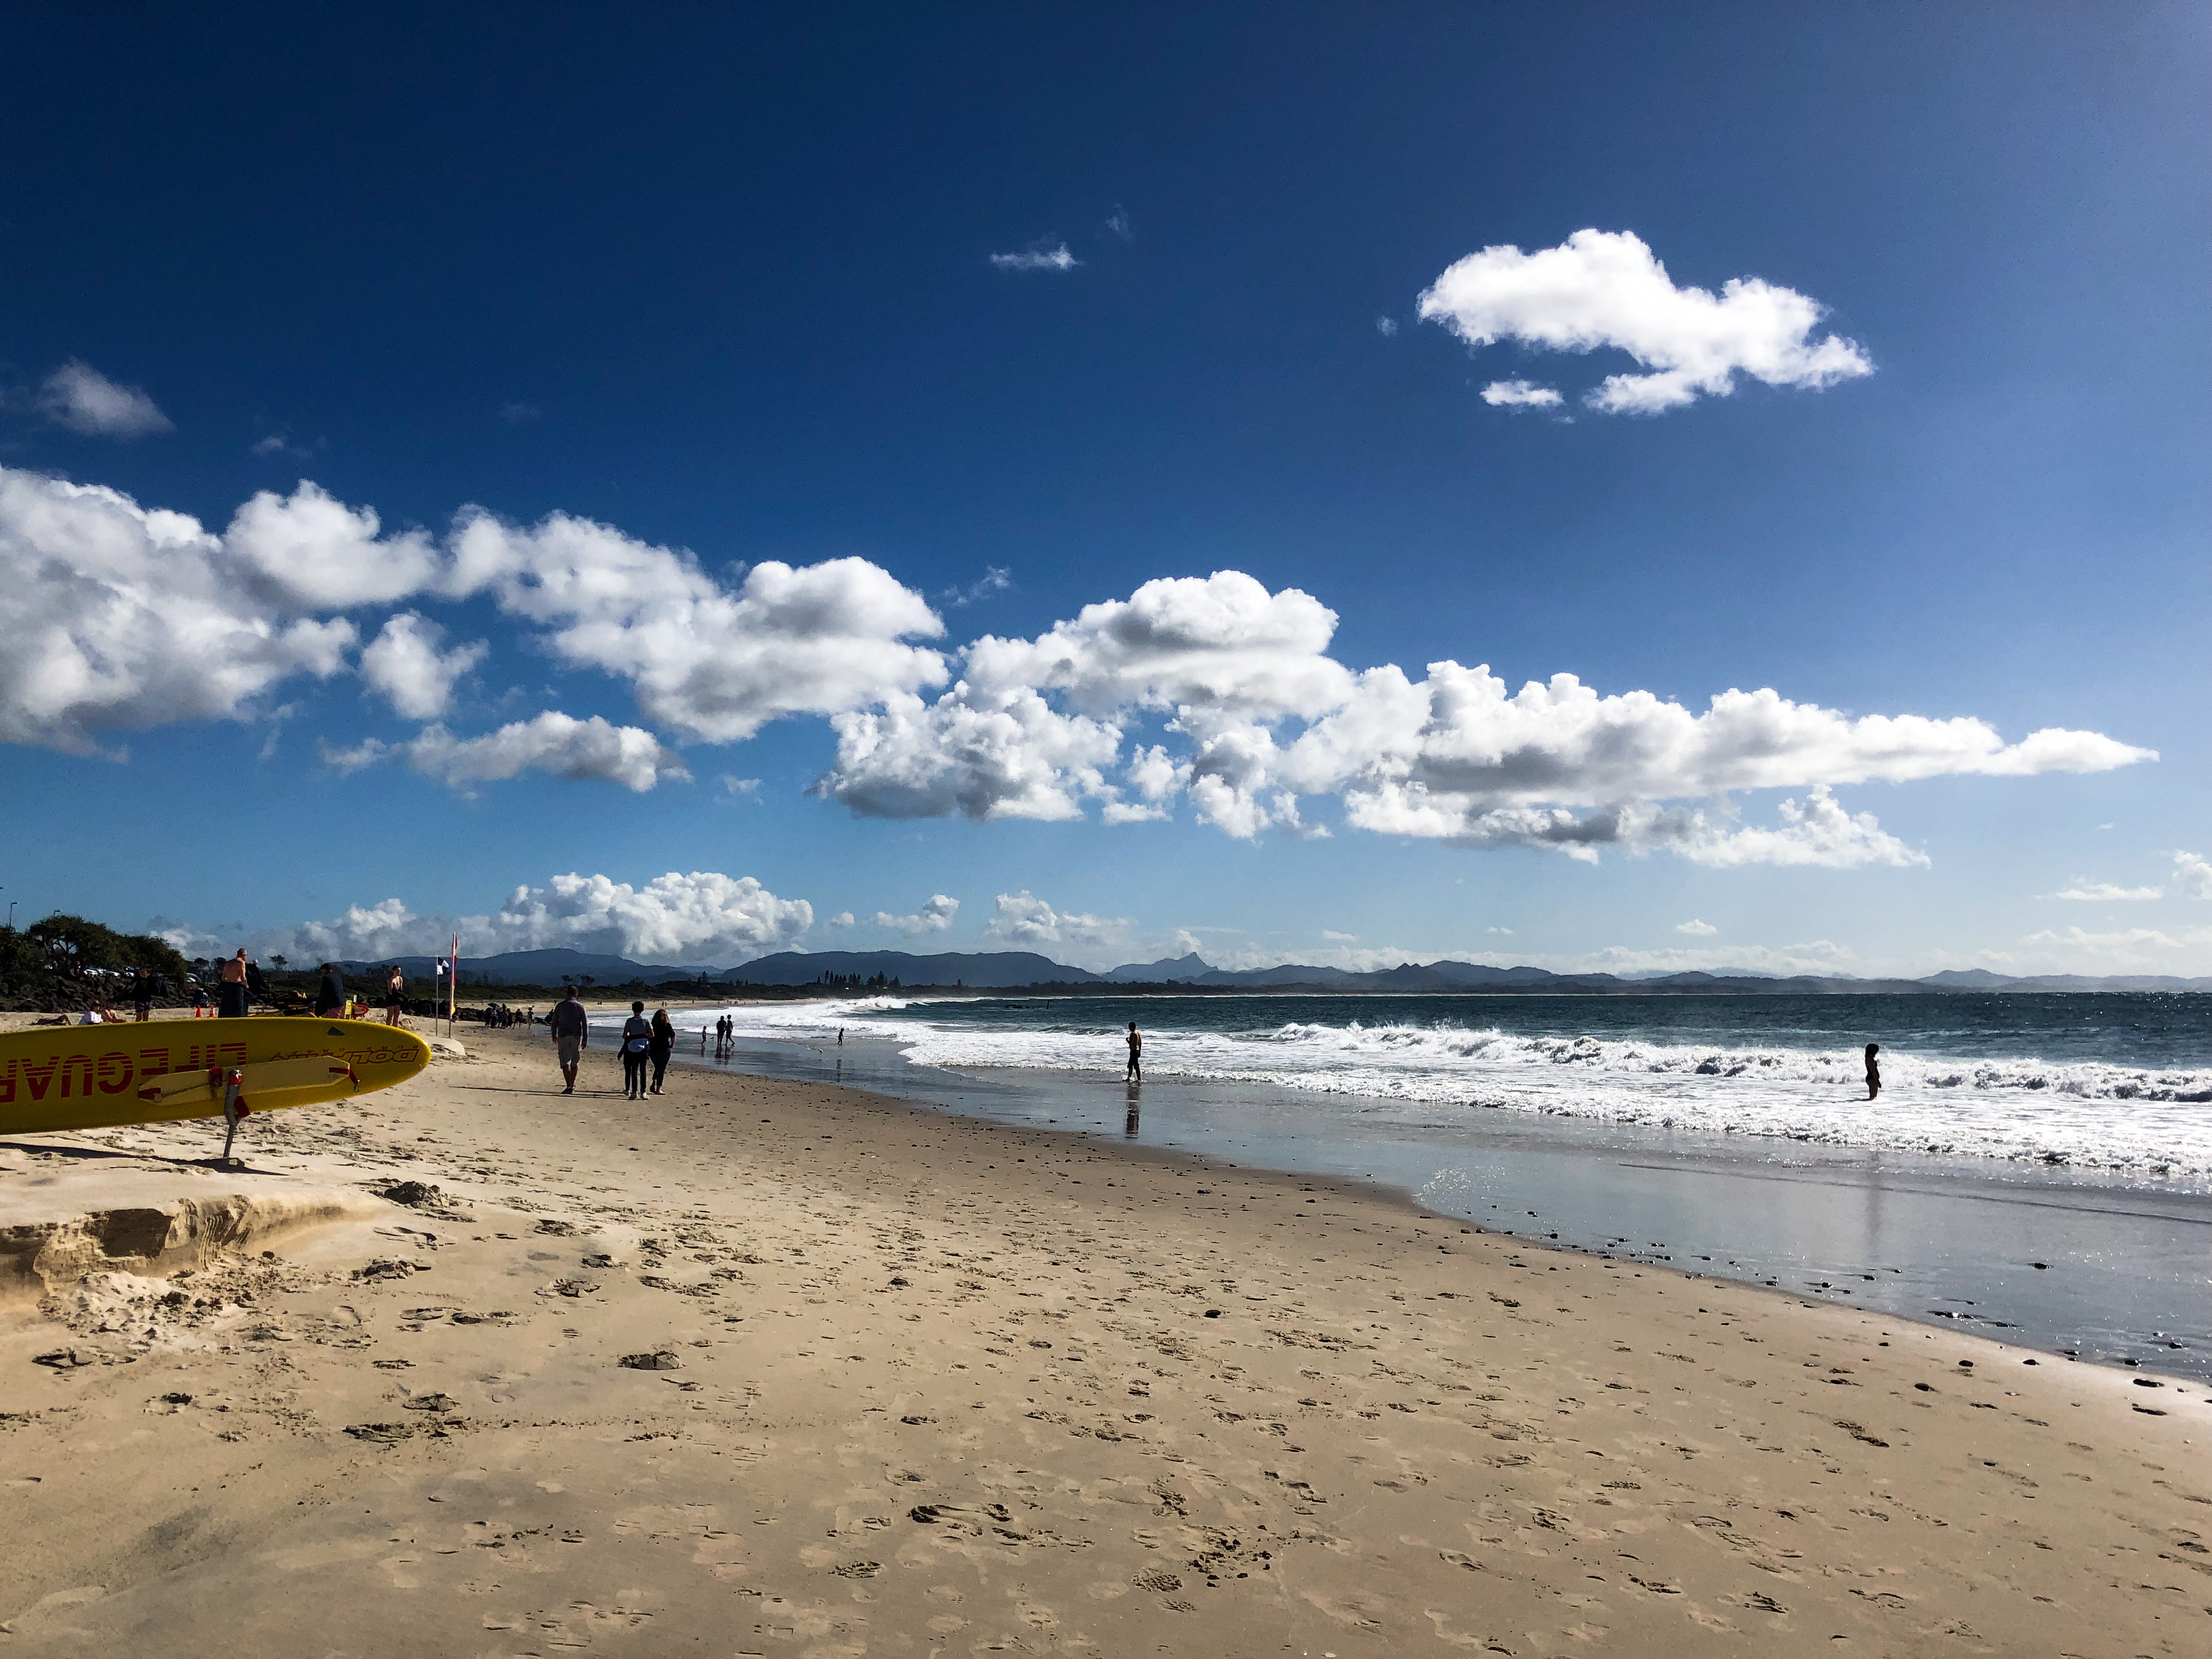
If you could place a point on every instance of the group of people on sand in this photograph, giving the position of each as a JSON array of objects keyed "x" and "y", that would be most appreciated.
[{"x": 646, "y": 1044}]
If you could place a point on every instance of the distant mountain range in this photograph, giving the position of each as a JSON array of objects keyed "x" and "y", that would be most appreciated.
[{"x": 1003, "y": 970}]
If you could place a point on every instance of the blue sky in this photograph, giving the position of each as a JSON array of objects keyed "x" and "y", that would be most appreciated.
[{"x": 724, "y": 287}]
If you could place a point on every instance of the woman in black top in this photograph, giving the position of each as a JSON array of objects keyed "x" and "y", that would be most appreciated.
[
  {"x": 662, "y": 1045},
  {"x": 636, "y": 1041}
]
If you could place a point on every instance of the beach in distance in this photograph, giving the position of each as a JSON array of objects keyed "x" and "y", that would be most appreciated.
[{"x": 765, "y": 1366}]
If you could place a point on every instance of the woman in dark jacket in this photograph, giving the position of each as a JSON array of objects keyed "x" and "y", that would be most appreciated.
[{"x": 664, "y": 1044}]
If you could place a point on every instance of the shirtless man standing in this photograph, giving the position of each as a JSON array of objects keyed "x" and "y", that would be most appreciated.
[{"x": 1136, "y": 1072}]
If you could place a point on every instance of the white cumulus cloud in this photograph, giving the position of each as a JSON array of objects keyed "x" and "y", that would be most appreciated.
[
  {"x": 1263, "y": 715},
  {"x": 1606, "y": 289},
  {"x": 114, "y": 618},
  {"x": 1461, "y": 757},
  {"x": 1219, "y": 653},
  {"x": 404, "y": 664},
  {"x": 1520, "y": 394},
  {"x": 1212, "y": 690},
  {"x": 701, "y": 919},
  {"x": 1697, "y": 929},
  {"x": 308, "y": 551},
  {"x": 933, "y": 917},
  {"x": 2193, "y": 875},
  {"x": 554, "y": 743},
  {"x": 715, "y": 665},
  {"x": 79, "y": 397},
  {"x": 1023, "y": 918}
]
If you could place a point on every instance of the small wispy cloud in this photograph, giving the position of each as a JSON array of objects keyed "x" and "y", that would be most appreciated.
[
  {"x": 2104, "y": 892},
  {"x": 735, "y": 788},
  {"x": 1386, "y": 326},
  {"x": 518, "y": 413},
  {"x": 1039, "y": 258},
  {"x": 280, "y": 443},
  {"x": 1696, "y": 929},
  {"x": 1118, "y": 223},
  {"x": 79, "y": 397},
  {"x": 1334, "y": 938},
  {"x": 995, "y": 579},
  {"x": 1507, "y": 932},
  {"x": 1519, "y": 394}
]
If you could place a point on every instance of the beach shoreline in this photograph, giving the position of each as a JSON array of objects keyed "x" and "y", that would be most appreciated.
[{"x": 959, "y": 1386}]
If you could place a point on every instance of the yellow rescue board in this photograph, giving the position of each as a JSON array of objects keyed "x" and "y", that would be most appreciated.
[{"x": 92, "y": 1077}]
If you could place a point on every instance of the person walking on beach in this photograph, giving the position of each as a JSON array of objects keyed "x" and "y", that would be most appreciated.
[
  {"x": 142, "y": 994},
  {"x": 636, "y": 1045},
  {"x": 1874, "y": 1071},
  {"x": 664, "y": 1045},
  {"x": 232, "y": 1006},
  {"x": 1136, "y": 1072},
  {"x": 395, "y": 995},
  {"x": 571, "y": 1031},
  {"x": 330, "y": 996}
]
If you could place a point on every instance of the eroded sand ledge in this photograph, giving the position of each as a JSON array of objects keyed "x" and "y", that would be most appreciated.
[{"x": 942, "y": 1388}]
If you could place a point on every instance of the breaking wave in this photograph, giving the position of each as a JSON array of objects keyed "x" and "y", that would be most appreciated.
[{"x": 2073, "y": 1111}]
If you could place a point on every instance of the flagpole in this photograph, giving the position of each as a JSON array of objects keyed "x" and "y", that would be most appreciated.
[{"x": 454, "y": 986}]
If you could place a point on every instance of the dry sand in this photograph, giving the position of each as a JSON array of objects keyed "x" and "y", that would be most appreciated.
[{"x": 769, "y": 1369}]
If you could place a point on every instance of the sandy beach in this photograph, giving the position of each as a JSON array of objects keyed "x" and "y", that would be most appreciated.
[{"x": 763, "y": 1368}]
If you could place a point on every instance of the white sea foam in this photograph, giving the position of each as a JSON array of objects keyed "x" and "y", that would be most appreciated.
[{"x": 2077, "y": 1111}]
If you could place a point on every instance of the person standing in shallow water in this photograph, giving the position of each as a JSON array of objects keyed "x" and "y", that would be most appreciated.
[
  {"x": 1136, "y": 1072},
  {"x": 1874, "y": 1071}
]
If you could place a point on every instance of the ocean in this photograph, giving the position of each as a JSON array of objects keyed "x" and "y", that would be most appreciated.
[
  {"x": 2118, "y": 1082},
  {"x": 2038, "y": 1165}
]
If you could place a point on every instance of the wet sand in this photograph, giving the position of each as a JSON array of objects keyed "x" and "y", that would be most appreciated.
[{"x": 900, "y": 1382}]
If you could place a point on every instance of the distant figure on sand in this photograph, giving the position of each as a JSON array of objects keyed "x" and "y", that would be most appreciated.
[
  {"x": 395, "y": 995},
  {"x": 571, "y": 1031},
  {"x": 636, "y": 1047},
  {"x": 330, "y": 996},
  {"x": 1136, "y": 1072},
  {"x": 841, "y": 1037},
  {"x": 1874, "y": 1072},
  {"x": 142, "y": 994}
]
